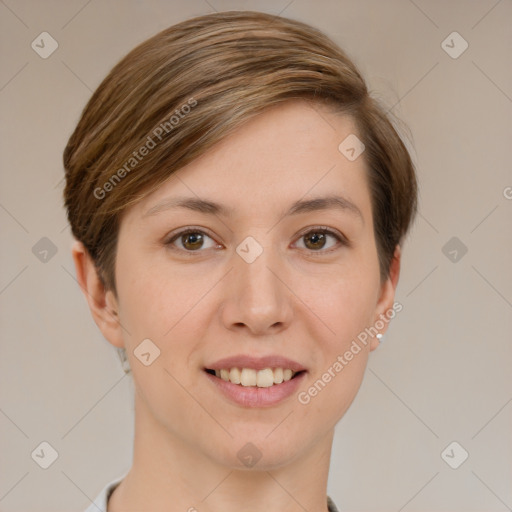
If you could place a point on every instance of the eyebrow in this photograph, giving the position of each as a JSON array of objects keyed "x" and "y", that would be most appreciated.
[{"x": 298, "y": 207}]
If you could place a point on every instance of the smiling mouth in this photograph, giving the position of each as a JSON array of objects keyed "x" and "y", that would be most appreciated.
[{"x": 248, "y": 377}]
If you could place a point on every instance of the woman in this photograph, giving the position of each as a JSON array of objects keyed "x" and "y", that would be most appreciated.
[{"x": 239, "y": 202}]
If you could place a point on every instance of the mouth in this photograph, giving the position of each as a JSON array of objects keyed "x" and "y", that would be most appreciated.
[{"x": 249, "y": 377}]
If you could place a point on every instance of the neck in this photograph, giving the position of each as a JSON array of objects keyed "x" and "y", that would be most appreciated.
[{"x": 169, "y": 474}]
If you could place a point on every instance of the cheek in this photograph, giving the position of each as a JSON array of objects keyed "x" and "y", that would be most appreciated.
[
  {"x": 330, "y": 393},
  {"x": 166, "y": 307},
  {"x": 149, "y": 294},
  {"x": 347, "y": 309},
  {"x": 343, "y": 302}
]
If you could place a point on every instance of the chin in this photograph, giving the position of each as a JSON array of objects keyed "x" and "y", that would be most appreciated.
[{"x": 259, "y": 451}]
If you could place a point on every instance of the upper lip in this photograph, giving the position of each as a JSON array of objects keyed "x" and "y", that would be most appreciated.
[{"x": 256, "y": 363}]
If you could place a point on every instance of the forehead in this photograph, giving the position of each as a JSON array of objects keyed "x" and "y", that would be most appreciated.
[{"x": 288, "y": 152}]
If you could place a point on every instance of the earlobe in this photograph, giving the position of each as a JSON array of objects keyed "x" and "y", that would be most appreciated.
[
  {"x": 387, "y": 296},
  {"x": 102, "y": 302}
]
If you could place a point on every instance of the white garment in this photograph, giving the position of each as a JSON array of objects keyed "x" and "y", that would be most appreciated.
[{"x": 100, "y": 503}]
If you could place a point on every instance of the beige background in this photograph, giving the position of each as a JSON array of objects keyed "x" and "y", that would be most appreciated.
[{"x": 443, "y": 372}]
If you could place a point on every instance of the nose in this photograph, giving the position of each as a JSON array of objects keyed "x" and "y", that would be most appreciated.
[{"x": 256, "y": 298}]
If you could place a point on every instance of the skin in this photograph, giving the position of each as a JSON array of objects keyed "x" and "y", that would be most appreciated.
[{"x": 306, "y": 302}]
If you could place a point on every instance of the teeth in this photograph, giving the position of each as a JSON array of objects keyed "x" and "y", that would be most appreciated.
[
  {"x": 234, "y": 375},
  {"x": 265, "y": 378},
  {"x": 259, "y": 378},
  {"x": 248, "y": 377}
]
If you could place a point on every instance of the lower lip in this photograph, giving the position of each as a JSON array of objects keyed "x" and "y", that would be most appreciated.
[{"x": 252, "y": 396}]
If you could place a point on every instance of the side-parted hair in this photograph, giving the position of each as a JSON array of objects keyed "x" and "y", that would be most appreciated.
[{"x": 183, "y": 90}]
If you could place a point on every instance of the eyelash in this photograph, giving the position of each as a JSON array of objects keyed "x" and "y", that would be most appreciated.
[{"x": 319, "y": 229}]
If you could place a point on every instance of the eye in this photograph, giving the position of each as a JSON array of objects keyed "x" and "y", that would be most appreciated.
[
  {"x": 191, "y": 240},
  {"x": 316, "y": 239}
]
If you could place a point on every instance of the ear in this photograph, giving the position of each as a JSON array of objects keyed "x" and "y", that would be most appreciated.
[
  {"x": 387, "y": 295},
  {"x": 102, "y": 302}
]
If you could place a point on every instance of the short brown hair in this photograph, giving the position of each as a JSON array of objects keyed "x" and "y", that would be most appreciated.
[{"x": 224, "y": 68}]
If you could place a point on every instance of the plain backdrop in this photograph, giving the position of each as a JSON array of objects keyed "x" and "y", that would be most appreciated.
[{"x": 443, "y": 373}]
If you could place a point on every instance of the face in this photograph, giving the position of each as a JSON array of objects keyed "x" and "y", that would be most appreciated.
[{"x": 254, "y": 279}]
